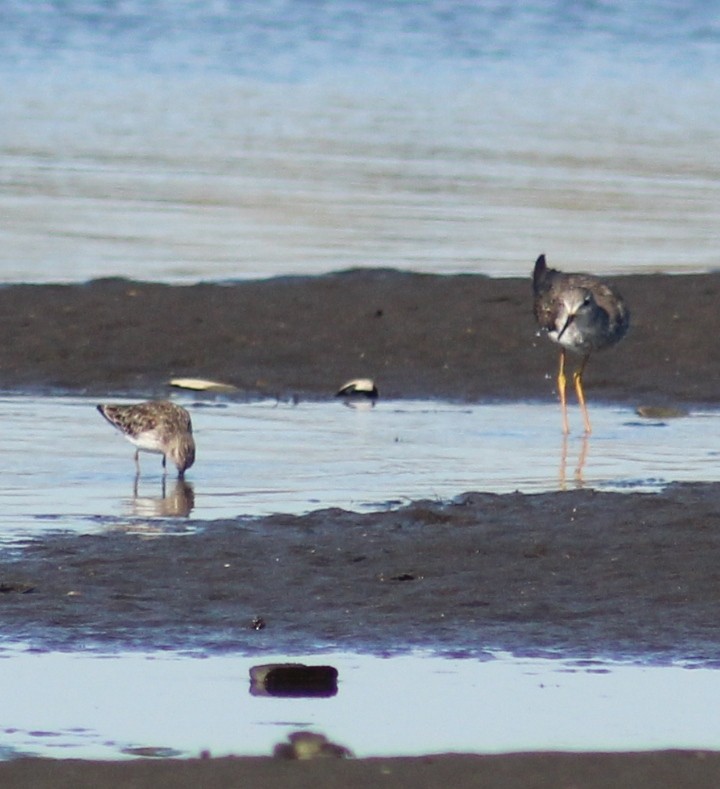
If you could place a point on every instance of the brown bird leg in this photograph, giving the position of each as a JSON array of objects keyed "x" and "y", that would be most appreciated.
[
  {"x": 577, "y": 379},
  {"x": 562, "y": 382}
]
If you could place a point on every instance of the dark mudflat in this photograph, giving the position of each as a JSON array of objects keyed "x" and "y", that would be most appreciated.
[
  {"x": 662, "y": 770},
  {"x": 580, "y": 572},
  {"x": 459, "y": 337}
]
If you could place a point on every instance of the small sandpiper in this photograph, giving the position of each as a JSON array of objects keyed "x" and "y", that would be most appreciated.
[
  {"x": 582, "y": 314},
  {"x": 155, "y": 426}
]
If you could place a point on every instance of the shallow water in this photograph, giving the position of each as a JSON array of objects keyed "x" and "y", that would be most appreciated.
[
  {"x": 103, "y": 706},
  {"x": 71, "y": 470},
  {"x": 184, "y": 141}
]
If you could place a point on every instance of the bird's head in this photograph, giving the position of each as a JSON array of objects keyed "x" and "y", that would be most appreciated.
[
  {"x": 577, "y": 305},
  {"x": 182, "y": 453}
]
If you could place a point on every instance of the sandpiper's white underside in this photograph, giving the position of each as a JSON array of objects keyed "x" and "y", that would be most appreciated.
[{"x": 147, "y": 442}]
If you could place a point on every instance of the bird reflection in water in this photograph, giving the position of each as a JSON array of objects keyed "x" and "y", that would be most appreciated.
[
  {"x": 177, "y": 502},
  {"x": 579, "y": 481}
]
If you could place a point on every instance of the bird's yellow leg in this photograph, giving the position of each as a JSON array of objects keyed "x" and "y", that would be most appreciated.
[
  {"x": 562, "y": 383},
  {"x": 577, "y": 380}
]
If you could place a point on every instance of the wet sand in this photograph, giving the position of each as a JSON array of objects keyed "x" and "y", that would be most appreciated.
[{"x": 591, "y": 574}]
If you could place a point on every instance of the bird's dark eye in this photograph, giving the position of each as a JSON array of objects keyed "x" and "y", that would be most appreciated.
[{"x": 587, "y": 300}]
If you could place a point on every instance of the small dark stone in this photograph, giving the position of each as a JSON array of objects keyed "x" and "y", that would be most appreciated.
[{"x": 293, "y": 680}]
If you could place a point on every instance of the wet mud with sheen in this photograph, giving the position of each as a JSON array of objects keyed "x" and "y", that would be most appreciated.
[{"x": 581, "y": 573}]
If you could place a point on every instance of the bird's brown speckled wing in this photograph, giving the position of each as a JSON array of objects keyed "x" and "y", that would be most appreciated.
[
  {"x": 548, "y": 284},
  {"x": 608, "y": 299},
  {"x": 139, "y": 418}
]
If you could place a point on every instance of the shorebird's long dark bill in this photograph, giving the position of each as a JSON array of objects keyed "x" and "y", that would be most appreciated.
[{"x": 570, "y": 319}]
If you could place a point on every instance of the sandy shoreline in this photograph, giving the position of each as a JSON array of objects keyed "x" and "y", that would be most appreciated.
[{"x": 588, "y": 573}]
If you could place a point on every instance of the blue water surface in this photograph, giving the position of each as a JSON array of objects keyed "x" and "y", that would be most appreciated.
[{"x": 182, "y": 141}]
